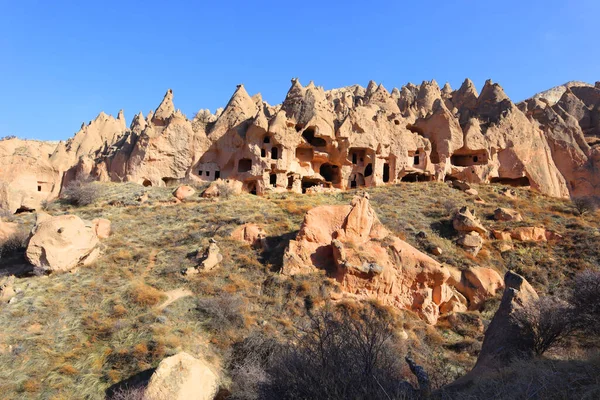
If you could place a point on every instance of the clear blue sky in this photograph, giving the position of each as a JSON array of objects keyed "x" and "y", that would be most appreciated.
[{"x": 62, "y": 62}]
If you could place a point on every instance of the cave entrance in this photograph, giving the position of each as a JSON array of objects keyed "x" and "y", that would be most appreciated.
[
  {"x": 147, "y": 183},
  {"x": 244, "y": 165},
  {"x": 173, "y": 181},
  {"x": 273, "y": 180},
  {"x": 290, "y": 181},
  {"x": 217, "y": 175},
  {"x": 251, "y": 187},
  {"x": 309, "y": 136},
  {"x": 368, "y": 170},
  {"x": 274, "y": 153},
  {"x": 416, "y": 177},
  {"x": 516, "y": 182},
  {"x": 331, "y": 173},
  {"x": 309, "y": 182},
  {"x": 267, "y": 139},
  {"x": 386, "y": 173}
]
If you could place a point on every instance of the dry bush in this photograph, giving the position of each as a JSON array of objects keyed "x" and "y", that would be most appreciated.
[
  {"x": 145, "y": 295},
  {"x": 541, "y": 379},
  {"x": 585, "y": 298},
  {"x": 80, "y": 192},
  {"x": 224, "y": 311},
  {"x": 16, "y": 243},
  {"x": 248, "y": 363},
  {"x": 546, "y": 323},
  {"x": 225, "y": 190},
  {"x": 343, "y": 352},
  {"x": 135, "y": 393},
  {"x": 586, "y": 204}
]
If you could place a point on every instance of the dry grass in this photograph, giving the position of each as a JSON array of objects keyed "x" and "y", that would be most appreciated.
[{"x": 101, "y": 320}]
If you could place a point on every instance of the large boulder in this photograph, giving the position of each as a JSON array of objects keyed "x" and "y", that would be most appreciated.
[
  {"x": 183, "y": 192},
  {"x": 369, "y": 262},
  {"x": 102, "y": 227},
  {"x": 182, "y": 377},
  {"x": 472, "y": 242},
  {"x": 61, "y": 243},
  {"x": 477, "y": 284},
  {"x": 529, "y": 234}
]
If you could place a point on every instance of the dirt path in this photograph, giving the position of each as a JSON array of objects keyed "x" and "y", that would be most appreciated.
[{"x": 173, "y": 296}]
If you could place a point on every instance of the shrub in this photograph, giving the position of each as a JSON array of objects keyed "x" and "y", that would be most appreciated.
[
  {"x": 145, "y": 295},
  {"x": 80, "y": 192},
  {"x": 585, "y": 297},
  {"x": 586, "y": 204},
  {"x": 343, "y": 352},
  {"x": 16, "y": 243},
  {"x": 249, "y": 360},
  {"x": 546, "y": 322},
  {"x": 133, "y": 393},
  {"x": 224, "y": 311}
]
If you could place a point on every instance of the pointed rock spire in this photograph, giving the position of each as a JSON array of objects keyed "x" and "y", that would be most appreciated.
[
  {"x": 465, "y": 97},
  {"x": 165, "y": 110},
  {"x": 371, "y": 87},
  {"x": 492, "y": 92}
]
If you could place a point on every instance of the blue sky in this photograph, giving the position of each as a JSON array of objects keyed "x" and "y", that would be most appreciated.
[{"x": 62, "y": 62}]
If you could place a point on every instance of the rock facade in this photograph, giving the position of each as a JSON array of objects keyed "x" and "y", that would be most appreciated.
[{"x": 340, "y": 138}]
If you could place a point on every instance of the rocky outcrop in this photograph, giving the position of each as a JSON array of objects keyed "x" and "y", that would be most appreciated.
[
  {"x": 470, "y": 230},
  {"x": 252, "y": 234},
  {"x": 207, "y": 260},
  {"x": 62, "y": 243},
  {"x": 503, "y": 339},
  {"x": 341, "y": 138},
  {"x": 182, "y": 377},
  {"x": 354, "y": 248},
  {"x": 506, "y": 214}
]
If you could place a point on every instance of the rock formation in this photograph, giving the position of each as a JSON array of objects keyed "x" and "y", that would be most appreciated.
[
  {"x": 341, "y": 138},
  {"x": 503, "y": 340},
  {"x": 354, "y": 248},
  {"x": 182, "y": 377},
  {"x": 252, "y": 234},
  {"x": 63, "y": 242},
  {"x": 469, "y": 229}
]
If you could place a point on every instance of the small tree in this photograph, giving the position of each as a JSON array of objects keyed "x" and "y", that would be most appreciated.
[
  {"x": 585, "y": 204},
  {"x": 546, "y": 322},
  {"x": 80, "y": 192}
]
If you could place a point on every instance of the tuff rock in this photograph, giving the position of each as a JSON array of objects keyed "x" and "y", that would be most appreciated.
[{"x": 338, "y": 139}]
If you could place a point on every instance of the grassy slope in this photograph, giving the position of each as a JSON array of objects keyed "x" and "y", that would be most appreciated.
[{"x": 84, "y": 331}]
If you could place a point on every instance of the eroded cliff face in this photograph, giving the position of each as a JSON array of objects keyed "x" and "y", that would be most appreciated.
[{"x": 341, "y": 138}]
